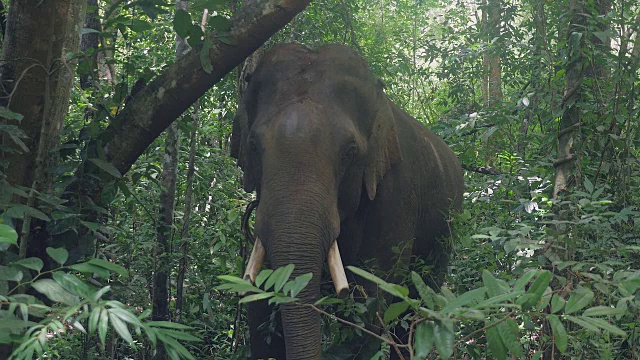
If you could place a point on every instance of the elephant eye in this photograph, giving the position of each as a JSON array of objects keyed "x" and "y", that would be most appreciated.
[
  {"x": 253, "y": 146},
  {"x": 348, "y": 154}
]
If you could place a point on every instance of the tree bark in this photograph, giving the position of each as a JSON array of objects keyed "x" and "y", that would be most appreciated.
[
  {"x": 36, "y": 81},
  {"x": 39, "y": 34},
  {"x": 184, "y": 234},
  {"x": 566, "y": 174},
  {"x": 89, "y": 44}
]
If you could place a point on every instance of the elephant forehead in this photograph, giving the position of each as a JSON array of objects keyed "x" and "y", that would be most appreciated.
[{"x": 300, "y": 119}]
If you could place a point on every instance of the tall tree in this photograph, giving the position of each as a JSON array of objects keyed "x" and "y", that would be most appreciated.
[
  {"x": 36, "y": 78},
  {"x": 565, "y": 164},
  {"x": 184, "y": 233},
  {"x": 168, "y": 177}
]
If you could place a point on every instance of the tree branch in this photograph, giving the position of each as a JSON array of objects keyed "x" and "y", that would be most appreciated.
[{"x": 182, "y": 83}]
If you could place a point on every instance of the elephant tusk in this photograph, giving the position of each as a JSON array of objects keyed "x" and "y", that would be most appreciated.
[
  {"x": 255, "y": 261},
  {"x": 337, "y": 271}
]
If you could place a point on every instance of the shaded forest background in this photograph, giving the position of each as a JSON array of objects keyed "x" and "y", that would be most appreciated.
[{"x": 120, "y": 206}]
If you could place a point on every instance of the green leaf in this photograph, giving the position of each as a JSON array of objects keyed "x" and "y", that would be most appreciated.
[
  {"x": 125, "y": 316},
  {"x": 88, "y": 268},
  {"x": 443, "y": 338},
  {"x": 425, "y": 292},
  {"x": 524, "y": 280},
  {"x": 472, "y": 296},
  {"x": 493, "y": 301},
  {"x": 169, "y": 325},
  {"x": 93, "y": 320},
  {"x": 10, "y": 324},
  {"x": 120, "y": 327},
  {"x": 604, "y": 325},
  {"x": 60, "y": 255},
  {"x": 536, "y": 290},
  {"x": 20, "y": 211},
  {"x": 394, "y": 310},
  {"x": 262, "y": 276},
  {"x": 55, "y": 292},
  {"x": 298, "y": 284},
  {"x": 8, "y": 235},
  {"x": 220, "y": 23},
  {"x": 8, "y": 114},
  {"x": 107, "y": 167},
  {"x": 559, "y": 333},
  {"x": 72, "y": 284},
  {"x": 103, "y": 326},
  {"x": 494, "y": 340},
  {"x": 579, "y": 299},
  {"x": 172, "y": 345},
  {"x": 509, "y": 332},
  {"x": 603, "y": 311},
  {"x": 423, "y": 341},
  {"x": 89, "y": 31},
  {"x": 182, "y": 23},
  {"x": 279, "y": 277},
  {"x": 181, "y": 335},
  {"x": 205, "y": 60},
  {"x": 557, "y": 303},
  {"x": 585, "y": 324},
  {"x": 10, "y": 273},
  {"x": 494, "y": 288},
  {"x": 279, "y": 299},
  {"x": 327, "y": 301},
  {"x": 256, "y": 297},
  {"x": 245, "y": 287},
  {"x": 32, "y": 263},
  {"x": 109, "y": 266}
]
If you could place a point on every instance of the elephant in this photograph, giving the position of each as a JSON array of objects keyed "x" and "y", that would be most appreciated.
[{"x": 335, "y": 165}]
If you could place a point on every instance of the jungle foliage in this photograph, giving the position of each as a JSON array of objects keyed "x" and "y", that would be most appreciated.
[{"x": 539, "y": 100}]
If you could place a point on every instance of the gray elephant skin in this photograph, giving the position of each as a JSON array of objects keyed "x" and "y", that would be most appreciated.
[{"x": 331, "y": 157}]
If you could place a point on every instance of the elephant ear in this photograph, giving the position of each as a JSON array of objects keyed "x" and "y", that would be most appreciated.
[
  {"x": 239, "y": 135},
  {"x": 383, "y": 148}
]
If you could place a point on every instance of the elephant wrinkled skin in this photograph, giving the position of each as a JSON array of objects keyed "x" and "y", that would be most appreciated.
[{"x": 331, "y": 157}]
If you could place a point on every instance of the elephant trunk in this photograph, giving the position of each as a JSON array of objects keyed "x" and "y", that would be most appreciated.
[{"x": 298, "y": 227}]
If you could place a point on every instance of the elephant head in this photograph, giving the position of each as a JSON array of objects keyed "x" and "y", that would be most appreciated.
[{"x": 314, "y": 135}]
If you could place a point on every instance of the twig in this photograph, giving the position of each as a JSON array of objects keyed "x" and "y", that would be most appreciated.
[{"x": 487, "y": 327}]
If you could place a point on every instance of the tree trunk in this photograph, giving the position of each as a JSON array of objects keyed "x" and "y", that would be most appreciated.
[
  {"x": 36, "y": 82},
  {"x": 566, "y": 173},
  {"x": 89, "y": 44},
  {"x": 167, "y": 204},
  {"x": 184, "y": 234}
]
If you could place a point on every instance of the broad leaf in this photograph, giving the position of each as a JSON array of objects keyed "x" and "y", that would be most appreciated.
[
  {"x": 60, "y": 255},
  {"x": 494, "y": 340},
  {"x": 55, "y": 291},
  {"x": 559, "y": 333},
  {"x": 509, "y": 332},
  {"x": 394, "y": 310},
  {"x": 423, "y": 340},
  {"x": 107, "y": 167},
  {"x": 579, "y": 299},
  {"x": 10, "y": 273},
  {"x": 8, "y": 235},
  {"x": 256, "y": 297},
  {"x": 443, "y": 337},
  {"x": 32, "y": 263},
  {"x": 109, "y": 266}
]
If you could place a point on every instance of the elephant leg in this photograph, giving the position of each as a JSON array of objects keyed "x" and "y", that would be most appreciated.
[{"x": 265, "y": 331}]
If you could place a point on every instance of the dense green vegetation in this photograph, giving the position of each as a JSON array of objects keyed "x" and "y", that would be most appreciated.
[{"x": 538, "y": 99}]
